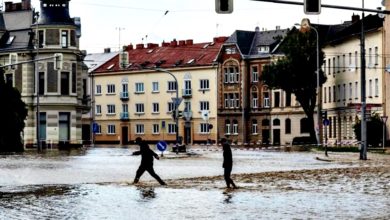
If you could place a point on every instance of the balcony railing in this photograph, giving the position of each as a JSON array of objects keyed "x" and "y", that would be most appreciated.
[
  {"x": 187, "y": 93},
  {"x": 124, "y": 96},
  {"x": 124, "y": 116}
]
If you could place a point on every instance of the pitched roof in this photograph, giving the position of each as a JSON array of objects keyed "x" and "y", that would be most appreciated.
[
  {"x": 175, "y": 54},
  {"x": 95, "y": 60}
]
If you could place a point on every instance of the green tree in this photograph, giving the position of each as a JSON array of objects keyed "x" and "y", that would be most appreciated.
[
  {"x": 295, "y": 73},
  {"x": 374, "y": 130},
  {"x": 13, "y": 112}
]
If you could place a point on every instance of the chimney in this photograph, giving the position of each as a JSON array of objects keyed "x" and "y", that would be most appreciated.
[
  {"x": 151, "y": 45},
  {"x": 107, "y": 50},
  {"x": 277, "y": 27},
  {"x": 130, "y": 47},
  {"x": 139, "y": 46},
  {"x": 8, "y": 6},
  {"x": 220, "y": 39},
  {"x": 174, "y": 43},
  {"x": 165, "y": 44},
  {"x": 124, "y": 48},
  {"x": 189, "y": 42},
  {"x": 182, "y": 43},
  {"x": 355, "y": 18},
  {"x": 26, "y": 4},
  {"x": 257, "y": 29}
]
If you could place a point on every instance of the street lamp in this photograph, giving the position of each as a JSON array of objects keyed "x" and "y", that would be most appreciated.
[{"x": 306, "y": 24}]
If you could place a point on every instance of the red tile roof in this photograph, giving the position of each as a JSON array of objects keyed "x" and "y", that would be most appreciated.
[{"x": 175, "y": 54}]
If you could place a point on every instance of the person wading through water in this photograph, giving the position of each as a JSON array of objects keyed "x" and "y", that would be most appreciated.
[
  {"x": 227, "y": 163},
  {"x": 146, "y": 161}
]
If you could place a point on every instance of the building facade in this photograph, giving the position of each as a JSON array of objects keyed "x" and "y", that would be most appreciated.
[
  {"x": 57, "y": 92},
  {"x": 341, "y": 94},
  {"x": 248, "y": 111},
  {"x": 135, "y": 93}
]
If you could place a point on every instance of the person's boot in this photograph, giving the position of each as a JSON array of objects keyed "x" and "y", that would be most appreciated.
[{"x": 136, "y": 180}]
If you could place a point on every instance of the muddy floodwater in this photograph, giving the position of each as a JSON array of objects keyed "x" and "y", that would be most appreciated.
[{"x": 96, "y": 183}]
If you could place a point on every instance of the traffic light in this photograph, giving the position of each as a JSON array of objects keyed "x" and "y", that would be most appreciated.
[
  {"x": 224, "y": 6},
  {"x": 177, "y": 114},
  {"x": 312, "y": 7},
  {"x": 324, "y": 114},
  {"x": 58, "y": 60}
]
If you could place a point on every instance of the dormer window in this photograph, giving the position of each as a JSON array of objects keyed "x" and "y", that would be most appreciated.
[
  {"x": 10, "y": 40},
  {"x": 110, "y": 66},
  {"x": 263, "y": 49},
  {"x": 124, "y": 59},
  {"x": 230, "y": 50}
]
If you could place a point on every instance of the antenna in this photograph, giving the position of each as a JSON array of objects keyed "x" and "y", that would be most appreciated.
[{"x": 119, "y": 34}]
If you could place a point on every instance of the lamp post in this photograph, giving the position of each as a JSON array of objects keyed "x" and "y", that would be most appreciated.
[
  {"x": 176, "y": 104},
  {"x": 363, "y": 144},
  {"x": 306, "y": 24}
]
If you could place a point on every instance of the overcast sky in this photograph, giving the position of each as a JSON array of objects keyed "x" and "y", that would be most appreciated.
[{"x": 110, "y": 23}]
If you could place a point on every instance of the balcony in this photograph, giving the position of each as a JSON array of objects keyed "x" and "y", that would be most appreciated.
[
  {"x": 187, "y": 93},
  {"x": 124, "y": 96},
  {"x": 124, "y": 116}
]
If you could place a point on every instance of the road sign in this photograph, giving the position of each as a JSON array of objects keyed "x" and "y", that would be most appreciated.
[
  {"x": 95, "y": 127},
  {"x": 326, "y": 122},
  {"x": 162, "y": 146},
  {"x": 205, "y": 115},
  {"x": 177, "y": 101}
]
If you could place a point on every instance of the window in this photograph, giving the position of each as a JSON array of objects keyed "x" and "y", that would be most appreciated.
[
  {"x": 266, "y": 100},
  {"x": 64, "y": 38},
  {"x": 139, "y": 129},
  {"x": 171, "y": 128},
  {"x": 277, "y": 99},
  {"x": 227, "y": 127},
  {"x": 338, "y": 93},
  {"x": 255, "y": 100},
  {"x": 171, "y": 106},
  {"x": 265, "y": 122},
  {"x": 288, "y": 126},
  {"x": 9, "y": 79},
  {"x": 376, "y": 56},
  {"x": 305, "y": 126},
  {"x": 356, "y": 90},
  {"x": 156, "y": 129},
  {"x": 356, "y": 59},
  {"x": 111, "y": 89},
  {"x": 204, "y": 105},
  {"x": 255, "y": 74},
  {"x": 288, "y": 99},
  {"x": 370, "y": 88},
  {"x": 338, "y": 65},
  {"x": 41, "y": 89},
  {"x": 330, "y": 94},
  {"x": 334, "y": 65},
  {"x": 235, "y": 127},
  {"x": 231, "y": 74},
  {"x": 344, "y": 92},
  {"x": 172, "y": 86},
  {"x": 110, "y": 129},
  {"x": 204, "y": 84},
  {"x": 187, "y": 106},
  {"x": 139, "y": 108},
  {"x": 98, "y": 109},
  {"x": 334, "y": 93},
  {"x": 139, "y": 88},
  {"x": 156, "y": 107},
  {"x": 110, "y": 109},
  {"x": 376, "y": 88},
  {"x": 98, "y": 90},
  {"x": 276, "y": 122},
  {"x": 125, "y": 108},
  {"x": 155, "y": 87},
  {"x": 370, "y": 57},
  {"x": 204, "y": 128},
  {"x": 254, "y": 127},
  {"x": 350, "y": 91},
  {"x": 65, "y": 83}
]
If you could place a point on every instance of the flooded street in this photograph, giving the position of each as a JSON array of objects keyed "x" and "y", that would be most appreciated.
[{"x": 96, "y": 183}]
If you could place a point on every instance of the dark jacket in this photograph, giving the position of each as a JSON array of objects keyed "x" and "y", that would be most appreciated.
[
  {"x": 147, "y": 154},
  {"x": 227, "y": 156}
]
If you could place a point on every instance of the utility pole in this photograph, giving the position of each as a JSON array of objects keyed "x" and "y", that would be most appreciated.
[{"x": 363, "y": 144}]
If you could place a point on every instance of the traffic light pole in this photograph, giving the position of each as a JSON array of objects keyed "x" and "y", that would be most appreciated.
[{"x": 328, "y": 6}]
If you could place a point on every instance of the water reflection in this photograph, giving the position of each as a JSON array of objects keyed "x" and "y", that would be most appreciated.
[
  {"x": 146, "y": 193},
  {"x": 227, "y": 198}
]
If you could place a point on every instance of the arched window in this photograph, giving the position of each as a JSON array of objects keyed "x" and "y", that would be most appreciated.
[
  {"x": 227, "y": 126},
  {"x": 305, "y": 125},
  {"x": 265, "y": 122},
  {"x": 288, "y": 126},
  {"x": 254, "y": 126},
  {"x": 254, "y": 97},
  {"x": 276, "y": 122}
]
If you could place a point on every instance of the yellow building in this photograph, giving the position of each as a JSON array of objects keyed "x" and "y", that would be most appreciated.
[{"x": 135, "y": 93}]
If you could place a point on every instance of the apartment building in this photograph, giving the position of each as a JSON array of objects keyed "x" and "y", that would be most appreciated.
[
  {"x": 248, "y": 111},
  {"x": 56, "y": 92},
  {"x": 341, "y": 94},
  {"x": 135, "y": 93}
]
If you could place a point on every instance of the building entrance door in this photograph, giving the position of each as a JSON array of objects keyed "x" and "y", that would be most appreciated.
[{"x": 125, "y": 135}]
